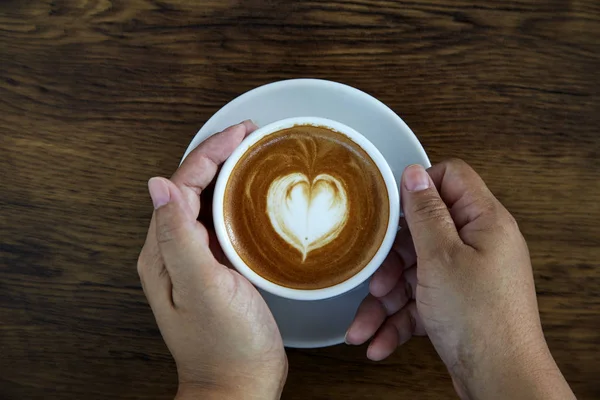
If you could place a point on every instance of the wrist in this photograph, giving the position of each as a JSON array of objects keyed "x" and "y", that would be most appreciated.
[
  {"x": 189, "y": 392},
  {"x": 523, "y": 371},
  {"x": 249, "y": 383}
]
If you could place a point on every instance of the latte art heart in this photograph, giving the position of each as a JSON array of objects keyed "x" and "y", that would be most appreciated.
[{"x": 307, "y": 215}]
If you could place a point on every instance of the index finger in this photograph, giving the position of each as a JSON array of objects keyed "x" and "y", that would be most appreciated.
[
  {"x": 473, "y": 207},
  {"x": 200, "y": 166}
]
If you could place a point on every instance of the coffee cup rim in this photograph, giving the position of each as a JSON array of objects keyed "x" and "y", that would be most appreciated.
[{"x": 306, "y": 294}]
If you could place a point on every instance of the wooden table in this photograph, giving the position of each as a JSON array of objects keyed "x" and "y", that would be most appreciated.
[{"x": 98, "y": 96}]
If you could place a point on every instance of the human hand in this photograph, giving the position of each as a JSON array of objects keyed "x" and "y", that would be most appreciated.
[
  {"x": 216, "y": 325},
  {"x": 462, "y": 275}
]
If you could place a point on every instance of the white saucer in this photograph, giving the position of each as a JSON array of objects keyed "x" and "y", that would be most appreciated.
[{"x": 309, "y": 324}]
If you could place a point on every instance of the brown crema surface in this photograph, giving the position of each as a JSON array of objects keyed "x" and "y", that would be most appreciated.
[{"x": 311, "y": 151}]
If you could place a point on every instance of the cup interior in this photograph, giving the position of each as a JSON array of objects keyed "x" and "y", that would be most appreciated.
[{"x": 306, "y": 294}]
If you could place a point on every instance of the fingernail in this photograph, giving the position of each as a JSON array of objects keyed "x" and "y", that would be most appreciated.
[
  {"x": 346, "y": 338},
  {"x": 159, "y": 192},
  {"x": 249, "y": 124},
  {"x": 416, "y": 178},
  {"x": 370, "y": 355}
]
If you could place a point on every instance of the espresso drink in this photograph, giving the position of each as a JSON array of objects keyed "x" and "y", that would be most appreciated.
[{"x": 306, "y": 207}]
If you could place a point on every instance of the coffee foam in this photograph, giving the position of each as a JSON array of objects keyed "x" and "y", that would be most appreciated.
[
  {"x": 307, "y": 215},
  {"x": 306, "y": 207}
]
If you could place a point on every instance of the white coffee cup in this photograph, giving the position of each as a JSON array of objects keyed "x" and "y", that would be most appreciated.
[{"x": 309, "y": 294}]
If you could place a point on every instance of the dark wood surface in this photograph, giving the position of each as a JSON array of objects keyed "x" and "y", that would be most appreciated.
[{"x": 96, "y": 96}]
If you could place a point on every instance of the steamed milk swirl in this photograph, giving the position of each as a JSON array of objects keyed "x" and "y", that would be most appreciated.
[{"x": 306, "y": 207}]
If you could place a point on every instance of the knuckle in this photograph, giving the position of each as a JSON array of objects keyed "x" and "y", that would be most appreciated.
[
  {"x": 502, "y": 218},
  {"x": 457, "y": 164},
  {"x": 202, "y": 162},
  {"x": 460, "y": 170},
  {"x": 147, "y": 258},
  {"x": 430, "y": 208},
  {"x": 141, "y": 265},
  {"x": 487, "y": 205},
  {"x": 167, "y": 233},
  {"x": 509, "y": 226}
]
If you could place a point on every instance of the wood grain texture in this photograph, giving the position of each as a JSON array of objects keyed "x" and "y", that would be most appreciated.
[{"x": 96, "y": 96}]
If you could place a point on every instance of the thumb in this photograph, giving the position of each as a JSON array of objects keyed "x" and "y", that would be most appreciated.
[
  {"x": 182, "y": 240},
  {"x": 426, "y": 214}
]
